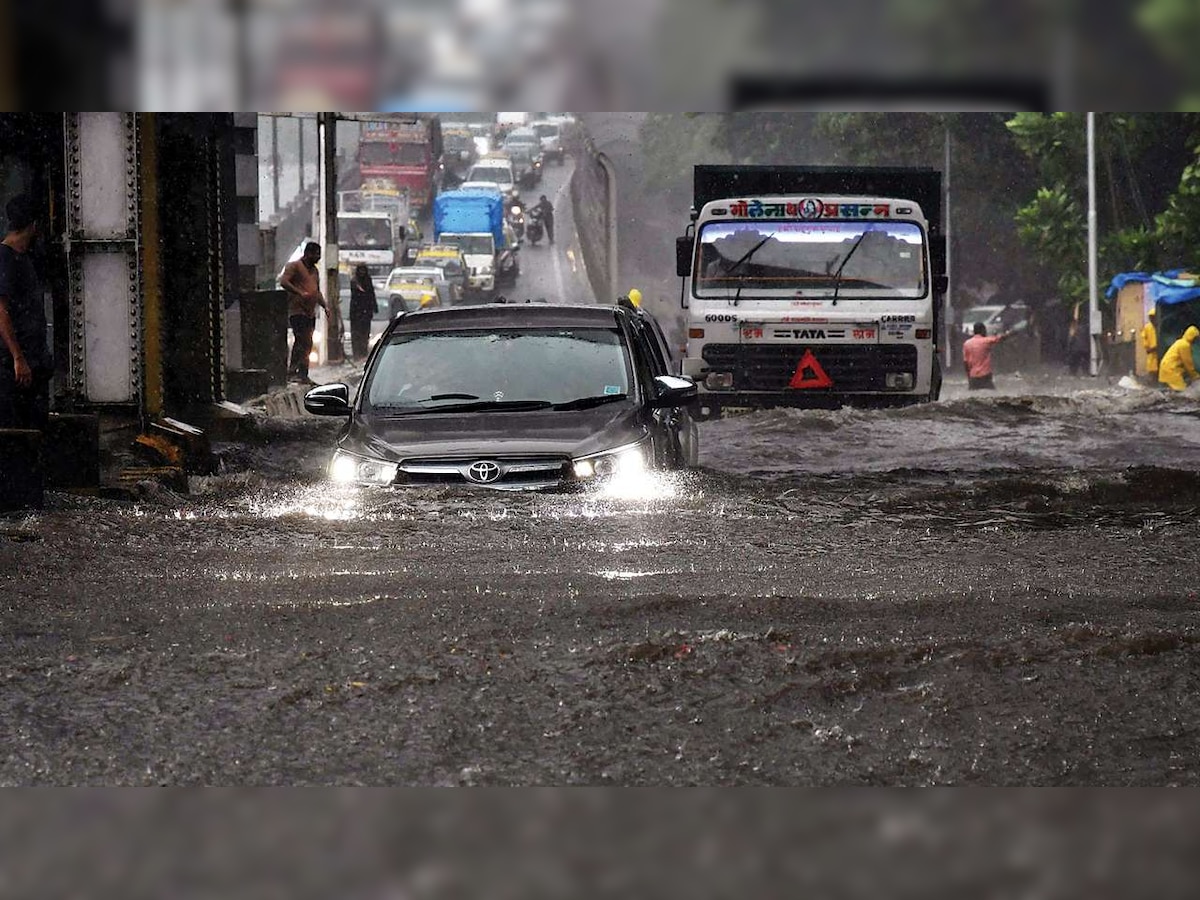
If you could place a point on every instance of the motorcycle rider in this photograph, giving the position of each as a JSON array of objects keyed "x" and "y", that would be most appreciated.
[
  {"x": 516, "y": 216},
  {"x": 546, "y": 210}
]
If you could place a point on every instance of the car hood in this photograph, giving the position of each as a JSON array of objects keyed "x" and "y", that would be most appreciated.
[{"x": 475, "y": 434}]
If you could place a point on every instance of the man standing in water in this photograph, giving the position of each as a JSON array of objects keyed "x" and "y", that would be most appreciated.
[
  {"x": 25, "y": 360},
  {"x": 977, "y": 358},
  {"x": 300, "y": 281}
]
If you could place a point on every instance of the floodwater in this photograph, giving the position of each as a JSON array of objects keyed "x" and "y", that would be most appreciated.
[{"x": 988, "y": 590}]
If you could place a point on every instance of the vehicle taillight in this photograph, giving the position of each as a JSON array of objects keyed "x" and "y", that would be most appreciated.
[
  {"x": 923, "y": 334},
  {"x": 695, "y": 332}
]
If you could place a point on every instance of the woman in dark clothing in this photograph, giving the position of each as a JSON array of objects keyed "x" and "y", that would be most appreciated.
[{"x": 362, "y": 310}]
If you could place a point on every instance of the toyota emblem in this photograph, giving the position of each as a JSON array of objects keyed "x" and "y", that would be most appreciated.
[{"x": 483, "y": 472}]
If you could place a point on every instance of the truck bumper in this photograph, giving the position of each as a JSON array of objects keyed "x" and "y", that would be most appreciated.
[{"x": 712, "y": 404}]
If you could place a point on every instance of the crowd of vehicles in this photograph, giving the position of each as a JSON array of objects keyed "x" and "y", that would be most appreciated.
[
  {"x": 813, "y": 286},
  {"x": 443, "y": 193},
  {"x": 513, "y": 396}
]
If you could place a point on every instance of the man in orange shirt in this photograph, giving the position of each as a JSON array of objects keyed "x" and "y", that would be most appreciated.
[
  {"x": 301, "y": 282},
  {"x": 977, "y": 358}
]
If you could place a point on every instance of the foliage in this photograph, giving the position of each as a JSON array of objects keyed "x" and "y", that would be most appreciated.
[{"x": 1136, "y": 158}]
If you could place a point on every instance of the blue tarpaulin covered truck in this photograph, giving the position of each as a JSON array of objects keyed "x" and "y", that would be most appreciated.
[{"x": 474, "y": 220}]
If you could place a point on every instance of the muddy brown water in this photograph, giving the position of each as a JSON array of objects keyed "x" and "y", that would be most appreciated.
[{"x": 996, "y": 590}]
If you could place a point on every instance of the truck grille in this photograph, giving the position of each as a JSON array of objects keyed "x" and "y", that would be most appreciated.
[{"x": 770, "y": 367}]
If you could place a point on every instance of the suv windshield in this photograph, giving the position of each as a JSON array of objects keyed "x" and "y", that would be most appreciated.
[
  {"x": 789, "y": 257},
  {"x": 501, "y": 175},
  {"x": 424, "y": 372}
]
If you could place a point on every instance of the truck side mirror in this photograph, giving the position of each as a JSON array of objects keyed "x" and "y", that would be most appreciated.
[{"x": 683, "y": 256}]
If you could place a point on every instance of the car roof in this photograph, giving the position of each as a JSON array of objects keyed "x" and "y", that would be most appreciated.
[
  {"x": 415, "y": 272},
  {"x": 508, "y": 315}
]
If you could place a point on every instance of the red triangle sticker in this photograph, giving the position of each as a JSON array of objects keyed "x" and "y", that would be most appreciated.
[{"x": 809, "y": 374}]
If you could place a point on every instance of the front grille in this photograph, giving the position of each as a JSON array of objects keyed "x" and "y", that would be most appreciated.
[
  {"x": 515, "y": 471},
  {"x": 770, "y": 367}
]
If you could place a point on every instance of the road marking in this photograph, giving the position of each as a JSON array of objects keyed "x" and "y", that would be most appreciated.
[{"x": 558, "y": 273}]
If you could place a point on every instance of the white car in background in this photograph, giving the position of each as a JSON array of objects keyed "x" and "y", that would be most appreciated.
[
  {"x": 498, "y": 170},
  {"x": 998, "y": 319}
]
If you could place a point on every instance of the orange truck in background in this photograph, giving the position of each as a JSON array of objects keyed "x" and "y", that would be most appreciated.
[{"x": 402, "y": 154}]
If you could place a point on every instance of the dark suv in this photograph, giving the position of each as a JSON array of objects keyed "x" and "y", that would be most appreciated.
[{"x": 512, "y": 395}]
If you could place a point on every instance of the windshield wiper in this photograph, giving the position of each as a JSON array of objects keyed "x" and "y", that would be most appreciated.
[
  {"x": 488, "y": 406},
  {"x": 837, "y": 276},
  {"x": 745, "y": 256},
  {"x": 589, "y": 402}
]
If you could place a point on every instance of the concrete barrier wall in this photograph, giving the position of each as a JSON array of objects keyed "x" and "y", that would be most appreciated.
[{"x": 589, "y": 201}]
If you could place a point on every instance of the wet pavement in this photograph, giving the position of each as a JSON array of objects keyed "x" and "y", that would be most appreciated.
[{"x": 986, "y": 590}]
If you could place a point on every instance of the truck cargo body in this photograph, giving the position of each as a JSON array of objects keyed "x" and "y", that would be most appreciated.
[
  {"x": 813, "y": 287},
  {"x": 474, "y": 220},
  {"x": 403, "y": 156}
]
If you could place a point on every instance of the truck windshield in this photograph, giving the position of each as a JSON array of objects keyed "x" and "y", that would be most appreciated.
[
  {"x": 803, "y": 257},
  {"x": 473, "y": 244},
  {"x": 384, "y": 153},
  {"x": 365, "y": 234}
]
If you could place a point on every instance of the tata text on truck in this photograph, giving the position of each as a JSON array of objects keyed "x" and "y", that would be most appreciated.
[
  {"x": 813, "y": 286},
  {"x": 402, "y": 155}
]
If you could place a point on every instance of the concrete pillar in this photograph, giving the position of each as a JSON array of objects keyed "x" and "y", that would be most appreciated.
[{"x": 104, "y": 258}]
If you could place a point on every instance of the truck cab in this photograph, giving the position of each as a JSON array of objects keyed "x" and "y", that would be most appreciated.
[{"x": 813, "y": 287}]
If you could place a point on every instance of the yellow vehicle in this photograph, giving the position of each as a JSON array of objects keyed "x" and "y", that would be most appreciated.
[
  {"x": 410, "y": 288},
  {"x": 448, "y": 258}
]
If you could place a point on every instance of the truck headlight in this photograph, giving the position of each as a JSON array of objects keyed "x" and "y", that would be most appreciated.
[
  {"x": 347, "y": 468},
  {"x": 898, "y": 381},
  {"x": 627, "y": 460}
]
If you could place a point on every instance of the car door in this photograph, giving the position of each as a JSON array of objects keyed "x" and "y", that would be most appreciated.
[{"x": 669, "y": 425}]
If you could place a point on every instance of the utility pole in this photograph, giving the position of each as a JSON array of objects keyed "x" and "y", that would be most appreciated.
[
  {"x": 947, "y": 306},
  {"x": 1093, "y": 291},
  {"x": 332, "y": 349},
  {"x": 275, "y": 166}
]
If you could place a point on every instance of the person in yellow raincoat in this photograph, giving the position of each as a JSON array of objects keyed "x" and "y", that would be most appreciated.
[
  {"x": 1150, "y": 345},
  {"x": 1177, "y": 369}
]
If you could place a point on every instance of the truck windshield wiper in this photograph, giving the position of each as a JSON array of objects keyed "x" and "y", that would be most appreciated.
[
  {"x": 746, "y": 256},
  {"x": 837, "y": 276},
  {"x": 589, "y": 402}
]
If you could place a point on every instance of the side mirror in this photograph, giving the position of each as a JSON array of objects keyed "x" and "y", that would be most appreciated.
[
  {"x": 683, "y": 256},
  {"x": 328, "y": 400},
  {"x": 673, "y": 391}
]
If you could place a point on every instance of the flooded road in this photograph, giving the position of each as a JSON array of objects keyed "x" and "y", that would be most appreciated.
[{"x": 996, "y": 590}]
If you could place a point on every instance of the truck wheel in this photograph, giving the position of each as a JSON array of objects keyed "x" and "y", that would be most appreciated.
[{"x": 935, "y": 386}]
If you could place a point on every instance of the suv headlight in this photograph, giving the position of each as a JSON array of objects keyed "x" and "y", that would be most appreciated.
[
  {"x": 627, "y": 460},
  {"x": 348, "y": 468}
]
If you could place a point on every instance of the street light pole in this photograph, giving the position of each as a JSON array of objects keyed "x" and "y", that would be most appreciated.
[
  {"x": 1093, "y": 292},
  {"x": 331, "y": 348}
]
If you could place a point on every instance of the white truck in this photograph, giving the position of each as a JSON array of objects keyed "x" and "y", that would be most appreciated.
[
  {"x": 473, "y": 220},
  {"x": 813, "y": 287},
  {"x": 366, "y": 237}
]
